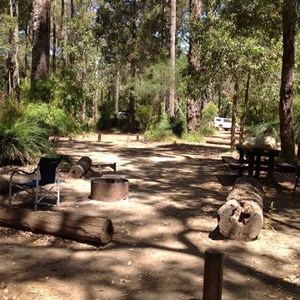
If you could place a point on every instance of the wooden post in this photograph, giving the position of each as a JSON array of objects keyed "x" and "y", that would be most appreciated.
[
  {"x": 99, "y": 137},
  {"x": 213, "y": 275}
]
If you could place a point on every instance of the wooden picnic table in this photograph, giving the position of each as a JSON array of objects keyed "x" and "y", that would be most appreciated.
[{"x": 258, "y": 159}]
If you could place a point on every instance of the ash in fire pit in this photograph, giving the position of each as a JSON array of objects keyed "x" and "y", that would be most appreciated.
[{"x": 110, "y": 188}]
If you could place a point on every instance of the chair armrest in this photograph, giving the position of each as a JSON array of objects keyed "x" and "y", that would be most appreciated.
[{"x": 21, "y": 172}]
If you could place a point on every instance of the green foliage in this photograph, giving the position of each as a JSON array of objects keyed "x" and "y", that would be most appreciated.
[
  {"x": 166, "y": 129},
  {"x": 21, "y": 141},
  {"x": 68, "y": 93},
  {"x": 48, "y": 116},
  {"x": 41, "y": 90},
  {"x": 207, "y": 118},
  {"x": 208, "y": 113},
  {"x": 107, "y": 120},
  {"x": 296, "y": 111},
  {"x": 177, "y": 126},
  {"x": 8, "y": 24},
  {"x": 145, "y": 116},
  {"x": 267, "y": 128},
  {"x": 193, "y": 137}
]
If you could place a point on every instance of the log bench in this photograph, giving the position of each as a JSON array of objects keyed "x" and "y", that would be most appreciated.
[
  {"x": 105, "y": 165},
  {"x": 237, "y": 165}
]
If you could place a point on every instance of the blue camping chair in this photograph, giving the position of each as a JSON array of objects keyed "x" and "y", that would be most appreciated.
[{"x": 44, "y": 181}]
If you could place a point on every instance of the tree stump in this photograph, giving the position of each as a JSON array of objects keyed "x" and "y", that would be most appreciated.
[
  {"x": 81, "y": 167},
  {"x": 241, "y": 217},
  {"x": 68, "y": 225}
]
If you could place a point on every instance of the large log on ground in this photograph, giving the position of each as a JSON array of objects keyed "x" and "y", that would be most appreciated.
[
  {"x": 68, "y": 225},
  {"x": 241, "y": 217},
  {"x": 81, "y": 167}
]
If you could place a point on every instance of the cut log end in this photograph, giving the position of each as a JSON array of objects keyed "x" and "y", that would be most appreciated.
[
  {"x": 81, "y": 167},
  {"x": 241, "y": 217}
]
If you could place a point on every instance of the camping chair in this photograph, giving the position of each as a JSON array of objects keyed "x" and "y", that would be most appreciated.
[
  {"x": 45, "y": 178},
  {"x": 297, "y": 183}
]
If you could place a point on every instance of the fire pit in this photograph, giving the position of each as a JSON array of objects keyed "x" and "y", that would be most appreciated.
[{"x": 110, "y": 188}]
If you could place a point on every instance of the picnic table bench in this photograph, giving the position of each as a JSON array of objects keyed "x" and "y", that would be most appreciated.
[{"x": 251, "y": 160}]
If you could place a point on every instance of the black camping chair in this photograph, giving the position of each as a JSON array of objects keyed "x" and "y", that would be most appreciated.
[{"x": 44, "y": 180}]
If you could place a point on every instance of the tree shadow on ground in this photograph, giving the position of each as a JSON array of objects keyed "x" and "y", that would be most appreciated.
[{"x": 161, "y": 233}]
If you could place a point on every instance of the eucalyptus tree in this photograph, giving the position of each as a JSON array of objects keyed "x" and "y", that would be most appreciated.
[
  {"x": 41, "y": 40},
  {"x": 274, "y": 20},
  {"x": 289, "y": 18},
  {"x": 194, "y": 64},
  {"x": 8, "y": 24},
  {"x": 14, "y": 8},
  {"x": 133, "y": 35},
  {"x": 172, "y": 94}
]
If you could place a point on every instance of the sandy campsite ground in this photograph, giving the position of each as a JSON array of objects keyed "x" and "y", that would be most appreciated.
[{"x": 161, "y": 232}]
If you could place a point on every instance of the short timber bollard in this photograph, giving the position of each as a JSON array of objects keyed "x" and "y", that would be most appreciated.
[{"x": 213, "y": 275}]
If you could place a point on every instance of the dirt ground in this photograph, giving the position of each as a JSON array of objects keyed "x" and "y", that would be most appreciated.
[{"x": 161, "y": 231}]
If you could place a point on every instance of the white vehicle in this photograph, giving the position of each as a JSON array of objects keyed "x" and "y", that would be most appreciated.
[{"x": 223, "y": 123}]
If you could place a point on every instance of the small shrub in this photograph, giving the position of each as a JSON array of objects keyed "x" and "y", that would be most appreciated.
[
  {"x": 268, "y": 128},
  {"x": 53, "y": 118},
  {"x": 159, "y": 131},
  {"x": 177, "y": 126},
  {"x": 193, "y": 137},
  {"x": 22, "y": 142},
  {"x": 207, "y": 115},
  {"x": 166, "y": 129}
]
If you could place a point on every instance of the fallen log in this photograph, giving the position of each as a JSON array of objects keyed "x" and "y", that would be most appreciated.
[
  {"x": 241, "y": 217},
  {"x": 63, "y": 224},
  {"x": 81, "y": 167}
]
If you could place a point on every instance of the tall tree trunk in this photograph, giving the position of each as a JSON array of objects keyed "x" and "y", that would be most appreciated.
[
  {"x": 193, "y": 103},
  {"x": 96, "y": 98},
  {"x": 131, "y": 121},
  {"x": 27, "y": 42},
  {"x": 117, "y": 94},
  {"x": 171, "y": 100},
  {"x": 14, "y": 69},
  {"x": 41, "y": 39},
  {"x": 16, "y": 65},
  {"x": 71, "y": 33},
  {"x": 8, "y": 59},
  {"x": 245, "y": 108},
  {"x": 62, "y": 35},
  {"x": 84, "y": 76},
  {"x": 289, "y": 17},
  {"x": 234, "y": 109},
  {"x": 54, "y": 40}
]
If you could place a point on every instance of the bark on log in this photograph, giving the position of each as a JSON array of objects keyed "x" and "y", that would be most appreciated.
[
  {"x": 81, "y": 167},
  {"x": 68, "y": 225},
  {"x": 241, "y": 217}
]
